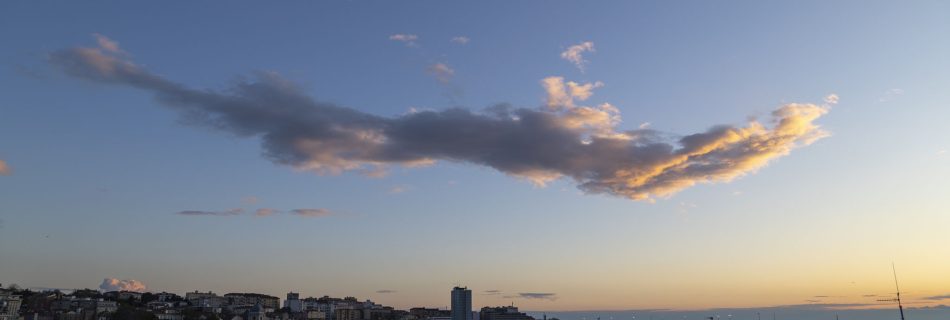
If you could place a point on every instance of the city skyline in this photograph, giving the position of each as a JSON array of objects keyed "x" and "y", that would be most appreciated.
[{"x": 557, "y": 155}]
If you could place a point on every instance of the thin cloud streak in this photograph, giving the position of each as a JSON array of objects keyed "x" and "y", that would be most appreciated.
[
  {"x": 537, "y": 295},
  {"x": 265, "y": 212},
  {"x": 225, "y": 213},
  {"x": 560, "y": 139},
  {"x": 408, "y": 39},
  {"x": 312, "y": 213}
]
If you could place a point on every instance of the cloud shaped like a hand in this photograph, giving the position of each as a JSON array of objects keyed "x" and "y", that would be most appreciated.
[{"x": 558, "y": 139}]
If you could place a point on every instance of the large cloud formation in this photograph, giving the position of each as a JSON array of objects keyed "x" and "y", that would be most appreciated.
[
  {"x": 113, "y": 284},
  {"x": 561, "y": 138}
]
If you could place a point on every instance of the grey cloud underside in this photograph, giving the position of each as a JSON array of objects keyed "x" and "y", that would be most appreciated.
[{"x": 536, "y": 144}]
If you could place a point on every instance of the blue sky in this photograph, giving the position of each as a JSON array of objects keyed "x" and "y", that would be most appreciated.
[{"x": 99, "y": 171}]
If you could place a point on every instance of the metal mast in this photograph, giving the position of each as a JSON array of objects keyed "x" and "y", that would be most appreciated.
[{"x": 899, "y": 306}]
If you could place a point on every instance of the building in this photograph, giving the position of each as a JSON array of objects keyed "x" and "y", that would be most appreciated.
[
  {"x": 348, "y": 314},
  {"x": 256, "y": 313},
  {"x": 129, "y": 295},
  {"x": 9, "y": 306},
  {"x": 293, "y": 302},
  {"x": 461, "y": 303},
  {"x": 503, "y": 313},
  {"x": 429, "y": 313},
  {"x": 316, "y": 315},
  {"x": 266, "y": 301},
  {"x": 205, "y": 299}
]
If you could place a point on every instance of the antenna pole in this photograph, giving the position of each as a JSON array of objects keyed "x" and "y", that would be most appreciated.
[{"x": 899, "y": 305}]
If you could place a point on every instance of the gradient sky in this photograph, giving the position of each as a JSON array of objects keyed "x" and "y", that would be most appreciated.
[{"x": 97, "y": 175}]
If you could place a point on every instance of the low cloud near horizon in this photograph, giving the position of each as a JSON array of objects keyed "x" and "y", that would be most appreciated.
[
  {"x": 563, "y": 138},
  {"x": 113, "y": 284},
  {"x": 224, "y": 213},
  {"x": 537, "y": 295},
  {"x": 312, "y": 213}
]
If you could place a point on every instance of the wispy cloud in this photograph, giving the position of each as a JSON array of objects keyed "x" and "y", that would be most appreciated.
[
  {"x": 249, "y": 200},
  {"x": 312, "y": 213},
  {"x": 386, "y": 291},
  {"x": 460, "y": 39},
  {"x": 831, "y": 99},
  {"x": 265, "y": 212},
  {"x": 107, "y": 44},
  {"x": 890, "y": 94},
  {"x": 938, "y": 297},
  {"x": 225, "y": 213},
  {"x": 441, "y": 72},
  {"x": 408, "y": 39},
  {"x": 540, "y": 144},
  {"x": 491, "y": 292},
  {"x": 113, "y": 284},
  {"x": 399, "y": 189},
  {"x": 5, "y": 169},
  {"x": 826, "y": 306},
  {"x": 575, "y": 54},
  {"x": 536, "y": 295}
]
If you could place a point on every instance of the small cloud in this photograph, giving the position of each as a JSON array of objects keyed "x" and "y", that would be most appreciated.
[
  {"x": 231, "y": 212},
  {"x": 491, "y": 292},
  {"x": 264, "y": 212},
  {"x": 685, "y": 207},
  {"x": 820, "y": 297},
  {"x": 575, "y": 54},
  {"x": 939, "y": 153},
  {"x": 938, "y": 298},
  {"x": 398, "y": 189},
  {"x": 441, "y": 71},
  {"x": 832, "y": 99},
  {"x": 460, "y": 40},
  {"x": 869, "y": 295},
  {"x": 107, "y": 44},
  {"x": 813, "y": 301},
  {"x": 536, "y": 295},
  {"x": 5, "y": 169},
  {"x": 737, "y": 193},
  {"x": 249, "y": 200},
  {"x": 890, "y": 94},
  {"x": 408, "y": 39},
  {"x": 384, "y": 291},
  {"x": 312, "y": 213},
  {"x": 113, "y": 284},
  {"x": 644, "y": 125}
]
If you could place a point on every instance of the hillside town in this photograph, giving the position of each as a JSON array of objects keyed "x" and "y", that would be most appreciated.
[{"x": 89, "y": 304}]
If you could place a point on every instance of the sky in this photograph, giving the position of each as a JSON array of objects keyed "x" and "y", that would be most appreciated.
[{"x": 557, "y": 155}]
